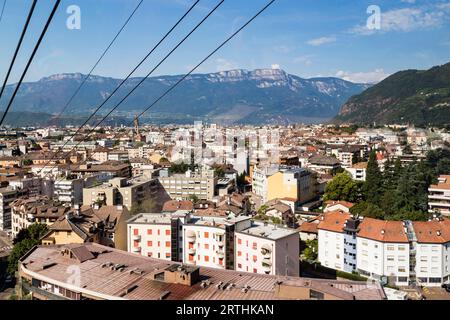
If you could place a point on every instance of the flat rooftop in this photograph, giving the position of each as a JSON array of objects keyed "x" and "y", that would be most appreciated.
[
  {"x": 268, "y": 231},
  {"x": 134, "y": 279}
]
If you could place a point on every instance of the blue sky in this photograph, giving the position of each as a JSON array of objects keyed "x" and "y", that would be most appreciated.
[{"x": 307, "y": 38}]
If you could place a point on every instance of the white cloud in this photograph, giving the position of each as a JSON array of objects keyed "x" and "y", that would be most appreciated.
[
  {"x": 306, "y": 60},
  {"x": 408, "y": 19},
  {"x": 320, "y": 41},
  {"x": 225, "y": 65},
  {"x": 282, "y": 49},
  {"x": 363, "y": 77}
]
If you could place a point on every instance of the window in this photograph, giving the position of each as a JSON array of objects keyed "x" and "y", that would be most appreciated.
[
  {"x": 239, "y": 265},
  {"x": 254, "y": 270},
  {"x": 167, "y": 255},
  {"x": 167, "y": 232},
  {"x": 390, "y": 258},
  {"x": 423, "y": 259},
  {"x": 254, "y": 245},
  {"x": 159, "y": 243},
  {"x": 191, "y": 257},
  {"x": 149, "y": 243},
  {"x": 206, "y": 258},
  {"x": 401, "y": 248},
  {"x": 167, "y": 244},
  {"x": 239, "y": 253},
  {"x": 136, "y": 232},
  {"x": 206, "y": 235},
  {"x": 316, "y": 295},
  {"x": 149, "y": 232},
  {"x": 239, "y": 241},
  {"x": 254, "y": 258},
  {"x": 159, "y": 232},
  {"x": 401, "y": 269},
  {"x": 136, "y": 244},
  {"x": 401, "y": 258},
  {"x": 390, "y": 248},
  {"x": 434, "y": 259}
]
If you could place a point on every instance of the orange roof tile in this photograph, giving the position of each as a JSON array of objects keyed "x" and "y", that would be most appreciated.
[
  {"x": 383, "y": 231},
  {"x": 434, "y": 231},
  {"x": 333, "y": 221}
]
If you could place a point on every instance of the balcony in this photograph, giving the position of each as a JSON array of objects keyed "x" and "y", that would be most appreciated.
[
  {"x": 191, "y": 250},
  {"x": 191, "y": 236},
  {"x": 220, "y": 254},
  {"x": 266, "y": 251},
  {"x": 137, "y": 237},
  {"x": 137, "y": 249}
]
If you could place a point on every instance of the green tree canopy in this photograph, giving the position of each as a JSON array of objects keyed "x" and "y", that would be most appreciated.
[
  {"x": 343, "y": 187},
  {"x": 25, "y": 240}
]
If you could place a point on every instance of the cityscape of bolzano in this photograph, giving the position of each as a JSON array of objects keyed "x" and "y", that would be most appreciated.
[{"x": 224, "y": 150}]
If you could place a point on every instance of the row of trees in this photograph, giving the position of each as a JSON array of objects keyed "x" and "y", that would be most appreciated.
[
  {"x": 398, "y": 192},
  {"x": 25, "y": 240}
]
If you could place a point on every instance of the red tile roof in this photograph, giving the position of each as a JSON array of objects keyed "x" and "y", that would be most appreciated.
[
  {"x": 333, "y": 221},
  {"x": 383, "y": 231},
  {"x": 435, "y": 231}
]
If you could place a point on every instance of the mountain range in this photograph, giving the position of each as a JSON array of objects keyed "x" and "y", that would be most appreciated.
[
  {"x": 420, "y": 97},
  {"x": 237, "y": 96}
]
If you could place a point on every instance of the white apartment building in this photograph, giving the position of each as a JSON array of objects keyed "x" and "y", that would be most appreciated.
[
  {"x": 184, "y": 186},
  {"x": 234, "y": 243},
  {"x": 337, "y": 241},
  {"x": 358, "y": 171},
  {"x": 439, "y": 196},
  {"x": 209, "y": 241},
  {"x": 432, "y": 252},
  {"x": 150, "y": 234},
  {"x": 267, "y": 249},
  {"x": 383, "y": 251}
]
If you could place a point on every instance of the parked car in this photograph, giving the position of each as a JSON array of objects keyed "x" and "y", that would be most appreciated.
[{"x": 446, "y": 286}]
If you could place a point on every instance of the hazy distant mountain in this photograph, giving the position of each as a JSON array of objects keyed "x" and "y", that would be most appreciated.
[
  {"x": 411, "y": 96},
  {"x": 237, "y": 96}
]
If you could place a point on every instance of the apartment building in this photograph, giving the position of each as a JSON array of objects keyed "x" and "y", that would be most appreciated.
[
  {"x": 432, "y": 252},
  {"x": 43, "y": 276},
  {"x": 439, "y": 196},
  {"x": 157, "y": 235},
  {"x": 276, "y": 182},
  {"x": 234, "y": 243},
  {"x": 383, "y": 251},
  {"x": 323, "y": 164},
  {"x": 358, "y": 171},
  {"x": 210, "y": 241},
  {"x": 7, "y": 196},
  {"x": 70, "y": 190},
  {"x": 26, "y": 211},
  {"x": 267, "y": 249},
  {"x": 121, "y": 191},
  {"x": 183, "y": 186},
  {"x": 106, "y": 225},
  {"x": 337, "y": 241}
]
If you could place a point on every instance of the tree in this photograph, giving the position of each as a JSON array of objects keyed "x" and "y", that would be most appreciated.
[
  {"x": 343, "y": 187},
  {"x": 373, "y": 187},
  {"x": 147, "y": 205},
  {"x": 367, "y": 209},
  {"x": 193, "y": 198},
  {"x": 311, "y": 250},
  {"x": 27, "y": 162},
  {"x": 240, "y": 181},
  {"x": 23, "y": 243}
]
